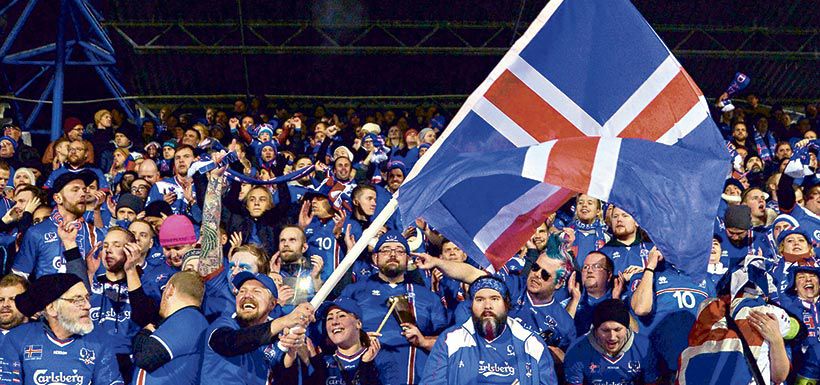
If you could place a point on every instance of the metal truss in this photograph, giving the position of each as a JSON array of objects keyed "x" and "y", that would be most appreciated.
[
  {"x": 80, "y": 42},
  {"x": 440, "y": 38}
]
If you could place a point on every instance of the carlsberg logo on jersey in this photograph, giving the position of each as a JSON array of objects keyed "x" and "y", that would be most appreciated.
[
  {"x": 487, "y": 369},
  {"x": 44, "y": 377}
]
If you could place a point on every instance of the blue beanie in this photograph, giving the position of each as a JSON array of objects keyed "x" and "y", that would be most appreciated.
[
  {"x": 10, "y": 139},
  {"x": 392, "y": 236},
  {"x": 489, "y": 282}
]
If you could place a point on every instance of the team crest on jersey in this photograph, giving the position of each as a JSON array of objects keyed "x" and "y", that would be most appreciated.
[
  {"x": 510, "y": 350},
  {"x": 644, "y": 253},
  {"x": 592, "y": 367},
  {"x": 33, "y": 352},
  {"x": 87, "y": 356},
  {"x": 635, "y": 284},
  {"x": 160, "y": 277},
  {"x": 634, "y": 366},
  {"x": 662, "y": 281},
  {"x": 50, "y": 237}
]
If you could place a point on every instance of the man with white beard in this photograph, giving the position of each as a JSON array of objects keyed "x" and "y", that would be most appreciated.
[
  {"x": 489, "y": 347},
  {"x": 57, "y": 349}
]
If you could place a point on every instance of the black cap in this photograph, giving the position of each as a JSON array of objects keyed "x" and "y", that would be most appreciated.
[
  {"x": 131, "y": 201},
  {"x": 86, "y": 175},
  {"x": 43, "y": 291},
  {"x": 610, "y": 310},
  {"x": 738, "y": 217},
  {"x": 157, "y": 208}
]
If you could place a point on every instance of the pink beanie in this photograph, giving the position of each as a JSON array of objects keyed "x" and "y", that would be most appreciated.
[{"x": 176, "y": 230}]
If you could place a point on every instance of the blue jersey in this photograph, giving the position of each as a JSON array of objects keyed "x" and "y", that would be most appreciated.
[
  {"x": 674, "y": 308},
  {"x": 111, "y": 313},
  {"x": 183, "y": 336},
  {"x": 32, "y": 355},
  {"x": 550, "y": 320},
  {"x": 807, "y": 313},
  {"x": 732, "y": 254},
  {"x": 809, "y": 367},
  {"x": 242, "y": 369},
  {"x": 782, "y": 272},
  {"x": 322, "y": 242},
  {"x": 155, "y": 276},
  {"x": 623, "y": 256},
  {"x": 583, "y": 312},
  {"x": 341, "y": 369},
  {"x": 810, "y": 223},
  {"x": 180, "y": 205},
  {"x": 41, "y": 251},
  {"x": 635, "y": 365},
  {"x": 398, "y": 361},
  {"x": 219, "y": 299}
]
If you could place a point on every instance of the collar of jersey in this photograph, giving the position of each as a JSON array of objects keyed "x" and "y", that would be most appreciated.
[
  {"x": 353, "y": 357},
  {"x": 53, "y": 338},
  {"x": 628, "y": 345}
]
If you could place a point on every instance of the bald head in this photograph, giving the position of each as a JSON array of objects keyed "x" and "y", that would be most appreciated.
[{"x": 148, "y": 170}]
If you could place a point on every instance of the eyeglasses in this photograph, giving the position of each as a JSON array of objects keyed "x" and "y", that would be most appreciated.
[
  {"x": 139, "y": 188},
  {"x": 78, "y": 300},
  {"x": 396, "y": 252},
  {"x": 545, "y": 275},
  {"x": 594, "y": 267},
  {"x": 241, "y": 266}
]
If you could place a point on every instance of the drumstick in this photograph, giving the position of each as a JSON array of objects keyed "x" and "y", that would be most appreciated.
[{"x": 386, "y": 316}]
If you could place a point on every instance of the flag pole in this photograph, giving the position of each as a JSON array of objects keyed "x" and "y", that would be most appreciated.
[{"x": 353, "y": 253}]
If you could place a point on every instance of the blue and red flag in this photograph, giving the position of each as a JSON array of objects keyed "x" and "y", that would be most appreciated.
[{"x": 584, "y": 69}]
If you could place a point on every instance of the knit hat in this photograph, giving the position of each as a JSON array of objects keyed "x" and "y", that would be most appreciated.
[
  {"x": 786, "y": 218},
  {"x": 370, "y": 137},
  {"x": 177, "y": 230},
  {"x": 733, "y": 182},
  {"x": 70, "y": 123},
  {"x": 610, "y": 310},
  {"x": 11, "y": 140},
  {"x": 786, "y": 233},
  {"x": 151, "y": 144},
  {"x": 170, "y": 143},
  {"x": 425, "y": 146},
  {"x": 43, "y": 291},
  {"x": 438, "y": 121},
  {"x": 424, "y": 132},
  {"x": 397, "y": 165},
  {"x": 392, "y": 236},
  {"x": 346, "y": 151},
  {"x": 738, "y": 217},
  {"x": 130, "y": 201},
  {"x": 371, "y": 128},
  {"x": 264, "y": 128}
]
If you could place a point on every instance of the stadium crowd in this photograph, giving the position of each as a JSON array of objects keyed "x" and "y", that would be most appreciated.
[{"x": 160, "y": 252}]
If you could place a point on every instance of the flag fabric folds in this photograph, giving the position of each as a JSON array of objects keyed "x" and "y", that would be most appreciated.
[
  {"x": 669, "y": 189},
  {"x": 584, "y": 69}
]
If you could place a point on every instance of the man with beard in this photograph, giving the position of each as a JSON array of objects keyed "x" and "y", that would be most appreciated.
[
  {"x": 627, "y": 248},
  {"x": 241, "y": 348},
  {"x": 533, "y": 293},
  {"x": 73, "y": 131},
  {"x": 76, "y": 163},
  {"x": 740, "y": 240},
  {"x": 302, "y": 274},
  {"x": 11, "y": 286},
  {"x": 405, "y": 345},
  {"x": 178, "y": 190},
  {"x": 489, "y": 347},
  {"x": 172, "y": 353},
  {"x": 58, "y": 349},
  {"x": 111, "y": 309},
  {"x": 41, "y": 251},
  {"x": 611, "y": 353}
]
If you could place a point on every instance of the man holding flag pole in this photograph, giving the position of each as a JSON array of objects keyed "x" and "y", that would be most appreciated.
[{"x": 588, "y": 100}]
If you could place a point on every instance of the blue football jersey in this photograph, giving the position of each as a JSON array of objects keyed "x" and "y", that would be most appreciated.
[
  {"x": 32, "y": 355},
  {"x": 243, "y": 369},
  {"x": 322, "y": 242},
  {"x": 183, "y": 335},
  {"x": 41, "y": 251},
  {"x": 111, "y": 314},
  {"x": 636, "y": 364}
]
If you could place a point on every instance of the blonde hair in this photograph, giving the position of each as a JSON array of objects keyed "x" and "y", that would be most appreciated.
[{"x": 99, "y": 115}]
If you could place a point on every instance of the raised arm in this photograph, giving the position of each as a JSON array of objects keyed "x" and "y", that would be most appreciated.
[
  {"x": 210, "y": 259},
  {"x": 459, "y": 271}
]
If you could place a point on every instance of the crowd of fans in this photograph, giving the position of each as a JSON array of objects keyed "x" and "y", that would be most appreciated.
[{"x": 147, "y": 253}]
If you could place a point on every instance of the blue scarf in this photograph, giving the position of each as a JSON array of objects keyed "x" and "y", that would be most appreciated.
[{"x": 765, "y": 145}]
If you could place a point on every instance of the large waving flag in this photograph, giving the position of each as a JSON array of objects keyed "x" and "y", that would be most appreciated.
[{"x": 583, "y": 69}]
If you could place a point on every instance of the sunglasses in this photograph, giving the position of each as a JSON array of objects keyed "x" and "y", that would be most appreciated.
[{"x": 545, "y": 275}]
